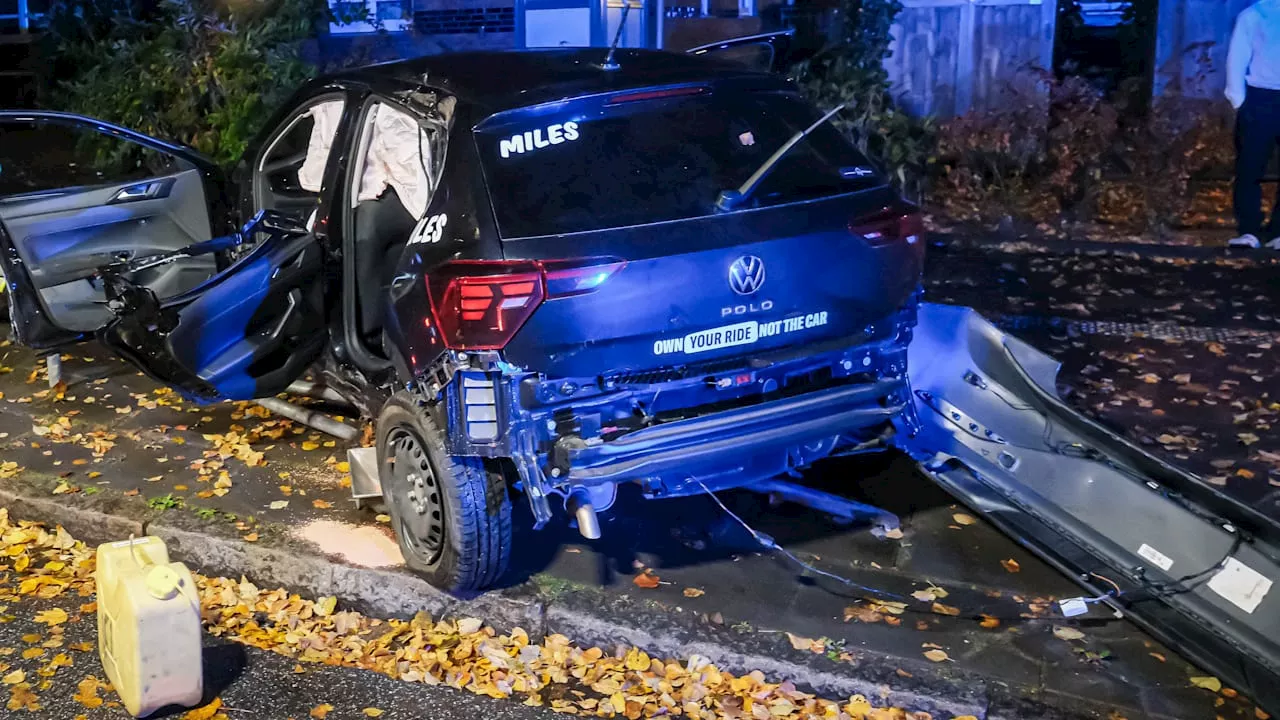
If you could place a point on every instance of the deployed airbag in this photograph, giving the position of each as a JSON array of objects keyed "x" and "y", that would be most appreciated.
[
  {"x": 325, "y": 117},
  {"x": 398, "y": 155}
]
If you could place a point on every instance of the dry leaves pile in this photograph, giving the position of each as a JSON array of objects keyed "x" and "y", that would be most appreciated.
[
  {"x": 459, "y": 653},
  {"x": 45, "y": 565},
  {"x": 465, "y": 654}
]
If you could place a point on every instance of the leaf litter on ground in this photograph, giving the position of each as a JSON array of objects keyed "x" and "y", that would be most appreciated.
[{"x": 461, "y": 653}]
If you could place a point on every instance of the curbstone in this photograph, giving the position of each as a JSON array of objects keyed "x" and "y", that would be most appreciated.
[
  {"x": 873, "y": 677},
  {"x": 92, "y": 526}
]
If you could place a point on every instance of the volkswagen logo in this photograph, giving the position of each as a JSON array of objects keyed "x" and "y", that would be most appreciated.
[{"x": 746, "y": 274}]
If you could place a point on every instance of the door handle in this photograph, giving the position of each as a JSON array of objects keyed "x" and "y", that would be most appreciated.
[{"x": 148, "y": 190}]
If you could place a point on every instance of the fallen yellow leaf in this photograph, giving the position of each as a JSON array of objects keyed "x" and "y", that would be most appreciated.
[
  {"x": 646, "y": 580},
  {"x": 941, "y": 609},
  {"x": 321, "y": 504},
  {"x": 691, "y": 592},
  {"x": 309, "y": 446},
  {"x": 1210, "y": 683},
  {"x": 937, "y": 655},
  {"x": 321, "y": 711},
  {"x": 964, "y": 519},
  {"x": 326, "y": 605},
  {"x": 15, "y": 677},
  {"x": 1011, "y": 565},
  {"x": 372, "y": 712},
  {"x": 55, "y": 616},
  {"x": 204, "y": 713},
  {"x": 1066, "y": 633}
]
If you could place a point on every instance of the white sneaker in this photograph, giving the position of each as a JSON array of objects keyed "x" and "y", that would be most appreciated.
[
  {"x": 1274, "y": 244},
  {"x": 1245, "y": 241}
]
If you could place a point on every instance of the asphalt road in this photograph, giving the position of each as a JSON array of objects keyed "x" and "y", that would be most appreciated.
[{"x": 252, "y": 684}]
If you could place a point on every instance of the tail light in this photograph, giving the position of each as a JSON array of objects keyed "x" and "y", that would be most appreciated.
[
  {"x": 891, "y": 226},
  {"x": 482, "y": 304}
]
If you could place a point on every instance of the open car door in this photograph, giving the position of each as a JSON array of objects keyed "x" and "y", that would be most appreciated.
[
  {"x": 76, "y": 194},
  {"x": 767, "y": 52},
  {"x": 130, "y": 260}
]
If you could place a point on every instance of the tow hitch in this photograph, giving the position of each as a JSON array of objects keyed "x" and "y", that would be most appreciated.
[{"x": 1191, "y": 565}]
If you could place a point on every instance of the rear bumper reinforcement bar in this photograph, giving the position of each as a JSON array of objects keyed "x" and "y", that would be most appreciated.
[{"x": 727, "y": 439}]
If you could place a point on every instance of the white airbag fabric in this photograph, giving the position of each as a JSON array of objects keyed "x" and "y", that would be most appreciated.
[
  {"x": 398, "y": 156},
  {"x": 326, "y": 116}
]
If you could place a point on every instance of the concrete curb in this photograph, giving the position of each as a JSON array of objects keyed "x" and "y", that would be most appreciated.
[
  {"x": 583, "y": 617},
  {"x": 92, "y": 526}
]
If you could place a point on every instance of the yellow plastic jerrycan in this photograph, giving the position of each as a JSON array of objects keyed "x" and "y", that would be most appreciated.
[{"x": 148, "y": 626}]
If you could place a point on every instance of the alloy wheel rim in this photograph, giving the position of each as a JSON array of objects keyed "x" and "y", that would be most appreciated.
[{"x": 416, "y": 495}]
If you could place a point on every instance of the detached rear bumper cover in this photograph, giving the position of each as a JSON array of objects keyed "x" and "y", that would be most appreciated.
[
  {"x": 736, "y": 442},
  {"x": 994, "y": 432}
]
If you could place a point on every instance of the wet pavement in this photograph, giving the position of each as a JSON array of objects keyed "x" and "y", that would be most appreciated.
[{"x": 113, "y": 431}]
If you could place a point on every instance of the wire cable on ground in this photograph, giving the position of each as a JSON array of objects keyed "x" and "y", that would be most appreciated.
[{"x": 769, "y": 543}]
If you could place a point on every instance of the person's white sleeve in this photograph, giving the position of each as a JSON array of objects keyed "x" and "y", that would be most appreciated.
[{"x": 1239, "y": 55}]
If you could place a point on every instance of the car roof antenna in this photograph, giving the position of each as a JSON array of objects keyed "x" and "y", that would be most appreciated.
[{"x": 609, "y": 62}]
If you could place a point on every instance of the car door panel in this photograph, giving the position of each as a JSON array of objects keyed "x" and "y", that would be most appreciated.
[
  {"x": 57, "y": 237},
  {"x": 134, "y": 263},
  {"x": 246, "y": 332},
  {"x": 63, "y": 237}
]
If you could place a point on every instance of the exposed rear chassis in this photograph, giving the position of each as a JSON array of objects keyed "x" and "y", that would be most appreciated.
[
  {"x": 756, "y": 419},
  {"x": 993, "y": 431}
]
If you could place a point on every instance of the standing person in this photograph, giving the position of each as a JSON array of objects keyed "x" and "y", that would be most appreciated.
[{"x": 1253, "y": 87}]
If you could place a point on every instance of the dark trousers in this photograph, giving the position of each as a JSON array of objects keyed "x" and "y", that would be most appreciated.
[{"x": 1257, "y": 135}]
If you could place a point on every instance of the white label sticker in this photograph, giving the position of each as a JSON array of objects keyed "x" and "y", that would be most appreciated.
[
  {"x": 1155, "y": 557},
  {"x": 1241, "y": 585},
  {"x": 737, "y": 334},
  {"x": 531, "y": 140},
  {"x": 429, "y": 229}
]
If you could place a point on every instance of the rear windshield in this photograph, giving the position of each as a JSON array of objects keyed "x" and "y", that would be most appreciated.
[{"x": 650, "y": 160}]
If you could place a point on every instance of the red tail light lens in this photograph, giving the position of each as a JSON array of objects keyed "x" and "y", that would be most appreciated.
[
  {"x": 891, "y": 226},
  {"x": 481, "y": 305}
]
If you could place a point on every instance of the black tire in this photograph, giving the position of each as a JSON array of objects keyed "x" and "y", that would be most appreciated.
[{"x": 451, "y": 515}]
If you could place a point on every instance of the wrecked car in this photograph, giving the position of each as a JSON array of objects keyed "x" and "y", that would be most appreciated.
[{"x": 541, "y": 275}]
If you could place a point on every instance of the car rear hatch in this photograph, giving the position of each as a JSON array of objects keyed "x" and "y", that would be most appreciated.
[{"x": 617, "y": 260}]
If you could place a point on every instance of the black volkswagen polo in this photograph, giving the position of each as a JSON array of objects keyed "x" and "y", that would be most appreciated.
[{"x": 540, "y": 272}]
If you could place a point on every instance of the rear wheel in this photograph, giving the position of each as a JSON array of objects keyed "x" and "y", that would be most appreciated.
[{"x": 451, "y": 515}]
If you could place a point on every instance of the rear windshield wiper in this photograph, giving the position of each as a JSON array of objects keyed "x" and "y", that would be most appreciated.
[{"x": 730, "y": 199}]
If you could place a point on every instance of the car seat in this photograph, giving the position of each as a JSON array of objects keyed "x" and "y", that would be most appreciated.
[{"x": 382, "y": 228}]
